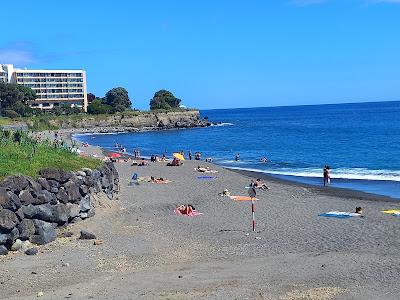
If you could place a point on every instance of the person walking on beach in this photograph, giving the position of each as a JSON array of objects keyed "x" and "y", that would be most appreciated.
[
  {"x": 190, "y": 155},
  {"x": 325, "y": 174}
]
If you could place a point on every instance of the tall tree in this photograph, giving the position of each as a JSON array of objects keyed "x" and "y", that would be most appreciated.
[
  {"x": 14, "y": 99},
  {"x": 164, "y": 99},
  {"x": 91, "y": 97},
  {"x": 118, "y": 98}
]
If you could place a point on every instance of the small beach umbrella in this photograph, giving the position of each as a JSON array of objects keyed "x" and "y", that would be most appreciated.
[
  {"x": 114, "y": 155},
  {"x": 179, "y": 156}
]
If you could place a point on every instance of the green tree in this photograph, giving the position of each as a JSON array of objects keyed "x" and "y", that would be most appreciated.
[
  {"x": 15, "y": 98},
  {"x": 164, "y": 99},
  {"x": 97, "y": 107},
  {"x": 118, "y": 98},
  {"x": 91, "y": 97}
]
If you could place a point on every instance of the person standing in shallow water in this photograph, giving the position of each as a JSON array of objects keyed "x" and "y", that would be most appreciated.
[
  {"x": 325, "y": 174},
  {"x": 237, "y": 157},
  {"x": 328, "y": 175}
]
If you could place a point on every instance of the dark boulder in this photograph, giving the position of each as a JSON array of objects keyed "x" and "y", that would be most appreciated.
[
  {"x": 60, "y": 213},
  {"x": 96, "y": 174},
  {"x": 62, "y": 195},
  {"x": 13, "y": 235},
  {"x": 46, "y": 197},
  {"x": 8, "y": 220},
  {"x": 83, "y": 189},
  {"x": 20, "y": 183},
  {"x": 26, "y": 229},
  {"x": 72, "y": 190},
  {"x": 86, "y": 235},
  {"x": 44, "y": 233},
  {"x": 20, "y": 213},
  {"x": 30, "y": 211},
  {"x": 55, "y": 174},
  {"x": 3, "y": 238},
  {"x": 88, "y": 181},
  {"x": 9, "y": 200},
  {"x": 78, "y": 180},
  {"x": 85, "y": 203},
  {"x": 26, "y": 197},
  {"x": 43, "y": 182},
  {"x": 54, "y": 184},
  {"x": 57, "y": 213},
  {"x": 15, "y": 183},
  {"x": 3, "y": 250},
  {"x": 34, "y": 186},
  {"x": 44, "y": 212},
  {"x": 105, "y": 183},
  {"x": 9, "y": 238},
  {"x": 73, "y": 210},
  {"x": 31, "y": 251}
]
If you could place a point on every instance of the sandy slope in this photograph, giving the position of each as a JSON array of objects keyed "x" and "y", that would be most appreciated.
[{"x": 149, "y": 252}]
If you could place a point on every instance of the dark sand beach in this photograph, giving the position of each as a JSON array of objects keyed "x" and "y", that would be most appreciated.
[{"x": 149, "y": 252}]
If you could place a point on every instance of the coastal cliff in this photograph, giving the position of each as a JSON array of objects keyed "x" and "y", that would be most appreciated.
[{"x": 132, "y": 122}]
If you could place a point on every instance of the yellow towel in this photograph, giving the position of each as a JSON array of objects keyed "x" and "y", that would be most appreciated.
[{"x": 391, "y": 211}]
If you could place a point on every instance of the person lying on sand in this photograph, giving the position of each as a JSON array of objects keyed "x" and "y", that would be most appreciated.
[
  {"x": 258, "y": 184},
  {"x": 185, "y": 209},
  {"x": 159, "y": 180},
  {"x": 143, "y": 163},
  {"x": 205, "y": 170}
]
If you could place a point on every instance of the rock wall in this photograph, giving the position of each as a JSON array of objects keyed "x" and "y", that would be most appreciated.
[
  {"x": 30, "y": 210},
  {"x": 159, "y": 120}
]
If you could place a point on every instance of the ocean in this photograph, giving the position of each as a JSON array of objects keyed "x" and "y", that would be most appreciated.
[{"x": 360, "y": 142}]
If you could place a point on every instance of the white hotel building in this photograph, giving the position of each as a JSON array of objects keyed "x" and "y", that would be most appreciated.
[{"x": 53, "y": 88}]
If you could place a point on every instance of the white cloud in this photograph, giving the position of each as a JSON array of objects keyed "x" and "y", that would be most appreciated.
[{"x": 15, "y": 56}]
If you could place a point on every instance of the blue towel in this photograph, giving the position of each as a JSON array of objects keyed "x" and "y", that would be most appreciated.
[
  {"x": 339, "y": 214},
  {"x": 205, "y": 177},
  {"x": 335, "y": 216}
]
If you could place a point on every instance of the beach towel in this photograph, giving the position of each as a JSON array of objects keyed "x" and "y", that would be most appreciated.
[
  {"x": 339, "y": 214},
  {"x": 242, "y": 198},
  {"x": 205, "y": 177},
  {"x": 192, "y": 214},
  {"x": 394, "y": 212},
  {"x": 162, "y": 182}
]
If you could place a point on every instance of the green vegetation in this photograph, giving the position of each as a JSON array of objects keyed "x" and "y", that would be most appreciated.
[
  {"x": 21, "y": 154},
  {"x": 14, "y": 100},
  {"x": 164, "y": 99},
  {"x": 116, "y": 100},
  {"x": 41, "y": 124}
]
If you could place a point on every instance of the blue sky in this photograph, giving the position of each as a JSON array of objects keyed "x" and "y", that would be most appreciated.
[{"x": 218, "y": 53}]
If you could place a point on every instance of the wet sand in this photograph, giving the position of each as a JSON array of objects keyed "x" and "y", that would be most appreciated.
[{"x": 149, "y": 252}]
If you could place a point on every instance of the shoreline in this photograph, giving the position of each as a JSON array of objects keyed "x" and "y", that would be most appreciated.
[{"x": 330, "y": 191}]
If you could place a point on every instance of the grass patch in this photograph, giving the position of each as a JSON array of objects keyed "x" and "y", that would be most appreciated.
[
  {"x": 22, "y": 155},
  {"x": 6, "y": 121}
]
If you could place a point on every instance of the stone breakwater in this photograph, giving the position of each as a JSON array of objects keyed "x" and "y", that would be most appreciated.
[{"x": 30, "y": 210}]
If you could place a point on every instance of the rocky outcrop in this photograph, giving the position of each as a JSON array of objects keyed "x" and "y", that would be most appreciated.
[
  {"x": 131, "y": 122},
  {"x": 30, "y": 210}
]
